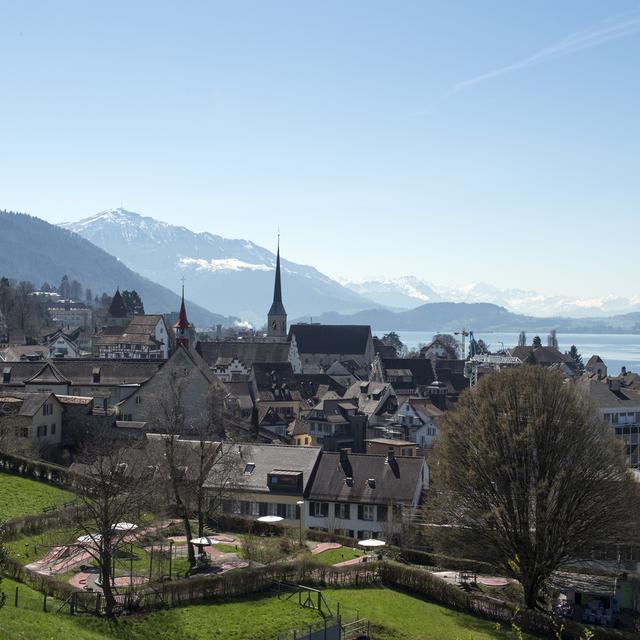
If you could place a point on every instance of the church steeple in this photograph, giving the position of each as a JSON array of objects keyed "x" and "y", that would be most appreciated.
[
  {"x": 183, "y": 326},
  {"x": 277, "y": 317}
]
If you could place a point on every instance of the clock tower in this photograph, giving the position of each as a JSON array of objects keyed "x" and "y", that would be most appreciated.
[{"x": 277, "y": 317}]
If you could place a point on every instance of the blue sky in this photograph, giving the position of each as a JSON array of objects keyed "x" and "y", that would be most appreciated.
[{"x": 456, "y": 141}]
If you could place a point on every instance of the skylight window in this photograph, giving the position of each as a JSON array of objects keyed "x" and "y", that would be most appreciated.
[{"x": 248, "y": 468}]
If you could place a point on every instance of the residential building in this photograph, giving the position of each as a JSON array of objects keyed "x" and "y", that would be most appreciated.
[
  {"x": 365, "y": 496},
  {"x": 619, "y": 406},
  {"x": 596, "y": 366},
  {"x": 68, "y": 313},
  {"x": 334, "y": 423},
  {"x": 34, "y": 420},
  {"x": 264, "y": 479},
  {"x": 144, "y": 337},
  {"x": 384, "y": 446},
  {"x": 376, "y": 400}
]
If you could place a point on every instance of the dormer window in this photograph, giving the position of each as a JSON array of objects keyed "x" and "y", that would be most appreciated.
[
  {"x": 348, "y": 481},
  {"x": 95, "y": 375},
  {"x": 6, "y": 375},
  {"x": 372, "y": 483}
]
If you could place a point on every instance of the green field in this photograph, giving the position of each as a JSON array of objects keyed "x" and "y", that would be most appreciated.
[
  {"x": 394, "y": 616},
  {"x": 21, "y": 497}
]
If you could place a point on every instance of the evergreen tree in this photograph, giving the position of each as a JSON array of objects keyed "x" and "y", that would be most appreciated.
[
  {"x": 132, "y": 302},
  {"x": 537, "y": 342},
  {"x": 392, "y": 339},
  {"x": 577, "y": 358},
  {"x": 75, "y": 290}
]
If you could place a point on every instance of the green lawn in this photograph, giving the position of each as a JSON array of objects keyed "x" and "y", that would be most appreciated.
[
  {"x": 394, "y": 616},
  {"x": 333, "y": 556},
  {"x": 21, "y": 497}
]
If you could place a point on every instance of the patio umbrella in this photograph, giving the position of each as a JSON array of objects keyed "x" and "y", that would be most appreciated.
[
  {"x": 270, "y": 519},
  {"x": 205, "y": 541},
  {"x": 371, "y": 543}
]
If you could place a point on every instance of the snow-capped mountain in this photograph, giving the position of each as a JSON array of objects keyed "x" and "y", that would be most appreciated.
[
  {"x": 409, "y": 292},
  {"x": 231, "y": 277}
]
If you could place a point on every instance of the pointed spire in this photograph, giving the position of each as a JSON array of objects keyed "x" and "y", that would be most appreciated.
[
  {"x": 277, "y": 308},
  {"x": 182, "y": 323},
  {"x": 117, "y": 308}
]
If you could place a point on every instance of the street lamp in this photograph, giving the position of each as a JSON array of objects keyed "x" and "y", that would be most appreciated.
[{"x": 300, "y": 504}]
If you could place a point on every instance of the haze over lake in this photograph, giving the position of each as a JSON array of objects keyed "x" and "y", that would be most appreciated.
[{"x": 617, "y": 350}]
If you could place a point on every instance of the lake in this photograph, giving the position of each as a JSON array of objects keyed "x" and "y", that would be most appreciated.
[{"x": 617, "y": 350}]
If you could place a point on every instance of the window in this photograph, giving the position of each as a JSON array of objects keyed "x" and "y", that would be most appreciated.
[
  {"x": 236, "y": 507},
  {"x": 127, "y": 417},
  {"x": 138, "y": 399},
  {"x": 248, "y": 468},
  {"x": 366, "y": 512},
  {"x": 24, "y": 432},
  {"x": 319, "y": 509},
  {"x": 293, "y": 512},
  {"x": 342, "y": 510},
  {"x": 47, "y": 409},
  {"x": 254, "y": 509},
  {"x": 42, "y": 431},
  {"x": 53, "y": 430}
]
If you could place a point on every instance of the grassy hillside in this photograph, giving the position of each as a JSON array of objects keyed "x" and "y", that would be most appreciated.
[{"x": 21, "y": 497}]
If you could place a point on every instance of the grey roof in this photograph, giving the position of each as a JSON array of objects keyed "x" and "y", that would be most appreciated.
[
  {"x": 48, "y": 374},
  {"x": 395, "y": 482},
  {"x": 266, "y": 458},
  {"x": 331, "y": 339},
  {"x": 245, "y": 351},
  {"x": 80, "y": 370},
  {"x": 30, "y": 403},
  {"x": 605, "y": 397}
]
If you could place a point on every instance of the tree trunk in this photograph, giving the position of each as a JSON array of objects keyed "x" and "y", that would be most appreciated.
[
  {"x": 531, "y": 586},
  {"x": 105, "y": 570},
  {"x": 191, "y": 556}
]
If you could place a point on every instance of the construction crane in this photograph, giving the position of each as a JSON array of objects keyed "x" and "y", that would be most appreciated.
[{"x": 463, "y": 333}]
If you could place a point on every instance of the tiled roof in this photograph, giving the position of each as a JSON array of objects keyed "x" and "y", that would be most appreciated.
[
  {"x": 395, "y": 483},
  {"x": 48, "y": 374},
  {"x": 265, "y": 458}
]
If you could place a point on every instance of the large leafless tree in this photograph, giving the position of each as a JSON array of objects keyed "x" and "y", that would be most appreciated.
[
  {"x": 529, "y": 477},
  {"x": 116, "y": 488},
  {"x": 190, "y": 439}
]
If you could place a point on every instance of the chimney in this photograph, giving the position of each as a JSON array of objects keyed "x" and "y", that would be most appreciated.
[
  {"x": 614, "y": 385},
  {"x": 623, "y": 371},
  {"x": 391, "y": 456},
  {"x": 344, "y": 456}
]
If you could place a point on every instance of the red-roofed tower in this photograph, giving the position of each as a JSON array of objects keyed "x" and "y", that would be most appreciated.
[{"x": 183, "y": 326}]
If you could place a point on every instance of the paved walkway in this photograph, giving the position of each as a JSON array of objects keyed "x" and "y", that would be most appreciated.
[{"x": 325, "y": 546}]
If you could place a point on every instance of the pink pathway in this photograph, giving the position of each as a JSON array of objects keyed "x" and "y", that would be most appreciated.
[{"x": 325, "y": 546}]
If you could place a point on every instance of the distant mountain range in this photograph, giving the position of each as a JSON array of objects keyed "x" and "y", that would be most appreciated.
[
  {"x": 409, "y": 292},
  {"x": 32, "y": 249},
  {"x": 232, "y": 277},
  {"x": 479, "y": 316}
]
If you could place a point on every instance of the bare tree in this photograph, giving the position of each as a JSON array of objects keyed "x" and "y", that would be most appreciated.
[
  {"x": 116, "y": 489},
  {"x": 527, "y": 476},
  {"x": 192, "y": 457}
]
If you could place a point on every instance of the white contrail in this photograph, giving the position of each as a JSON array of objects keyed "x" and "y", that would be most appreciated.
[{"x": 610, "y": 29}]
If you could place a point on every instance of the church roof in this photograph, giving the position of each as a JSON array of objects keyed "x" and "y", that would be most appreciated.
[
  {"x": 326, "y": 338},
  {"x": 117, "y": 308}
]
